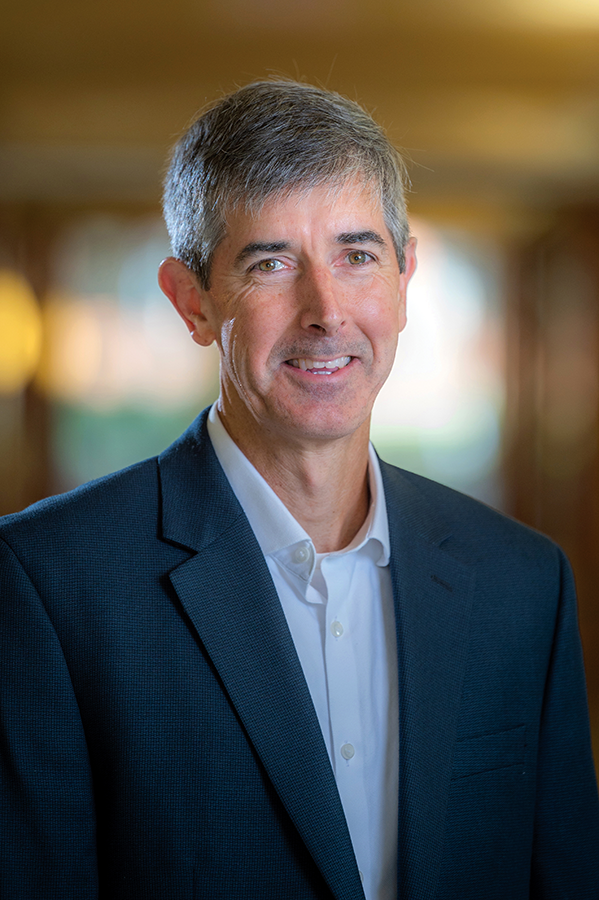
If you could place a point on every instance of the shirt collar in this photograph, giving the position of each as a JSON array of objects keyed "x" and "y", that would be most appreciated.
[{"x": 272, "y": 523}]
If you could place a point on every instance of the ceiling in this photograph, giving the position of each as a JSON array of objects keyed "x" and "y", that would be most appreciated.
[{"x": 496, "y": 104}]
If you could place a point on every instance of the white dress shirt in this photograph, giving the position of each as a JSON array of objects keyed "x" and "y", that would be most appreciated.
[{"x": 339, "y": 609}]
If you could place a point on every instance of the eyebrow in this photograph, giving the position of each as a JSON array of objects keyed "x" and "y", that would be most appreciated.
[
  {"x": 360, "y": 237},
  {"x": 260, "y": 247},
  {"x": 346, "y": 237}
]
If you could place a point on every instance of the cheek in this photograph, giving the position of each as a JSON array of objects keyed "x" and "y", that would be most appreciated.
[
  {"x": 386, "y": 319},
  {"x": 233, "y": 343},
  {"x": 227, "y": 338},
  {"x": 245, "y": 346}
]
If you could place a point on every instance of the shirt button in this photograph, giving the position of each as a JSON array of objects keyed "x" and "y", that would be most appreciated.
[
  {"x": 336, "y": 628},
  {"x": 347, "y": 751},
  {"x": 301, "y": 554},
  {"x": 361, "y": 874}
]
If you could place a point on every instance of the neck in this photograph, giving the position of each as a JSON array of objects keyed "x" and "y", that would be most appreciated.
[{"x": 324, "y": 485}]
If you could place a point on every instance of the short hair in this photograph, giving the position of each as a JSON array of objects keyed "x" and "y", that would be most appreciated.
[{"x": 267, "y": 140}]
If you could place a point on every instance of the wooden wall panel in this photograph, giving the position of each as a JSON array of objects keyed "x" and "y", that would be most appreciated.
[{"x": 552, "y": 458}]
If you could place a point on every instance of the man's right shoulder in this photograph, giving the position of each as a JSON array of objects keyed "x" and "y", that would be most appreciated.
[
  {"x": 120, "y": 500},
  {"x": 126, "y": 502}
]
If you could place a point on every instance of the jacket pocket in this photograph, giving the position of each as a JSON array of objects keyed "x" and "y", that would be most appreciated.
[{"x": 488, "y": 752}]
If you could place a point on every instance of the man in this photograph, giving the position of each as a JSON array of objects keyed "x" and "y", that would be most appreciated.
[{"x": 266, "y": 665}]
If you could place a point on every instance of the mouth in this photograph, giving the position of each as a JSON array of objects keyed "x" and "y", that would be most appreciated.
[{"x": 320, "y": 367}]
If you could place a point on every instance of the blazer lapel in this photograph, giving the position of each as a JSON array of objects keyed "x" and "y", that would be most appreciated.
[
  {"x": 433, "y": 597},
  {"x": 229, "y": 596}
]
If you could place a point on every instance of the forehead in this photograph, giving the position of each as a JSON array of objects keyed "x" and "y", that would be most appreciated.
[{"x": 323, "y": 208}]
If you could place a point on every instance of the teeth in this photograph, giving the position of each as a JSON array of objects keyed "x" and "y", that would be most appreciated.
[{"x": 306, "y": 364}]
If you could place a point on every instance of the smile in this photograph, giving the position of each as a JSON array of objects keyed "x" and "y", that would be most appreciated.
[{"x": 320, "y": 367}]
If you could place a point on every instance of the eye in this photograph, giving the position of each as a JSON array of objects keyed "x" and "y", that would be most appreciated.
[
  {"x": 357, "y": 257},
  {"x": 269, "y": 265}
]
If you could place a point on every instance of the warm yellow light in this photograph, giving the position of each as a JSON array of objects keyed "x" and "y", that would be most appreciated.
[
  {"x": 561, "y": 14},
  {"x": 20, "y": 332},
  {"x": 72, "y": 354}
]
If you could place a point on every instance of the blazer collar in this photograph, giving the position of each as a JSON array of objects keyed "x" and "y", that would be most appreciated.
[{"x": 197, "y": 503}]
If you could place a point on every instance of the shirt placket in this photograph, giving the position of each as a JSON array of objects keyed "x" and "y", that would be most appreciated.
[{"x": 343, "y": 684}]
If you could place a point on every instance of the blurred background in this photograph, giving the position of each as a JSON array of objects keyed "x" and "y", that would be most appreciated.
[{"x": 495, "y": 389}]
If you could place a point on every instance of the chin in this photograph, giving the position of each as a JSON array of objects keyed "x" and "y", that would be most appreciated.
[{"x": 325, "y": 427}]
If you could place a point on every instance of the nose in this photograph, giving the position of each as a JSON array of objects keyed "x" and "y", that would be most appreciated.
[{"x": 321, "y": 301}]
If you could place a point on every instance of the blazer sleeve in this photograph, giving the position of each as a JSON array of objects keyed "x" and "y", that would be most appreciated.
[
  {"x": 47, "y": 839},
  {"x": 566, "y": 844}
]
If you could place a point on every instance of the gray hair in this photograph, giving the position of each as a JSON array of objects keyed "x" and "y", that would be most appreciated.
[{"x": 264, "y": 141}]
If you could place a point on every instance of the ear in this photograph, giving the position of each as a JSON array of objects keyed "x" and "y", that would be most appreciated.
[
  {"x": 404, "y": 279},
  {"x": 411, "y": 261},
  {"x": 180, "y": 285}
]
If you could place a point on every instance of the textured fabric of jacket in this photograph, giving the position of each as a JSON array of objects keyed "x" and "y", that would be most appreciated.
[{"x": 158, "y": 738}]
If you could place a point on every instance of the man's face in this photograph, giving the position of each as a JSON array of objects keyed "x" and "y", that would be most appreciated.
[{"x": 306, "y": 303}]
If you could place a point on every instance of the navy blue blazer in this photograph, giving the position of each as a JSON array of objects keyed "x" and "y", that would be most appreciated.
[{"x": 158, "y": 737}]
